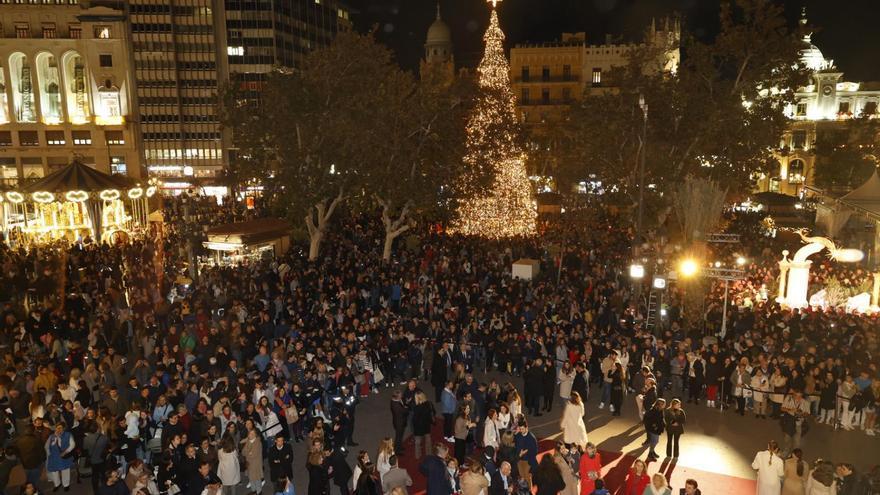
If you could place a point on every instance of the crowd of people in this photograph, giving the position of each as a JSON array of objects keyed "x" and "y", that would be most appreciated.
[{"x": 207, "y": 390}]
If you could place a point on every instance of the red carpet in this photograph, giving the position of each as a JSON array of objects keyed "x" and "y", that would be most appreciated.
[{"x": 615, "y": 468}]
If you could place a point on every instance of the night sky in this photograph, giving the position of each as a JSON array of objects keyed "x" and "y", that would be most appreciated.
[{"x": 847, "y": 29}]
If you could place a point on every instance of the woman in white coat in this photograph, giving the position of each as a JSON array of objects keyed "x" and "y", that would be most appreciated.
[
  {"x": 770, "y": 468},
  {"x": 491, "y": 432},
  {"x": 565, "y": 377},
  {"x": 574, "y": 431},
  {"x": 227, "y": 466}
]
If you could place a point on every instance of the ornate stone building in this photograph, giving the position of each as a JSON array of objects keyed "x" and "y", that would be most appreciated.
[
  {"x": 66, "y": 89},
  {"x": 824, "y": 104}
]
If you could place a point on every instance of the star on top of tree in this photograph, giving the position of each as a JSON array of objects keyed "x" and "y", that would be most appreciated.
[{"x": 494, "y": 3}]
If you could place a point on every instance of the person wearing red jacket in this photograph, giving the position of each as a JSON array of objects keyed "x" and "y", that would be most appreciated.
[
  {"x": 590, "y": 469},
  {"x": 638, "y": 479}
]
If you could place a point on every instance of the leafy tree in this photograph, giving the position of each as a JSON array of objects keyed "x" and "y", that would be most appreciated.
[
  {"x": 846, "y": 153},
  {"x": 350, "y": 126},
  {"x": 718, "y": 117}
]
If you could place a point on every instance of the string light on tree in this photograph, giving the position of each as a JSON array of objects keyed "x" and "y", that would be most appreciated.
[{"x": 509, "y": 208}]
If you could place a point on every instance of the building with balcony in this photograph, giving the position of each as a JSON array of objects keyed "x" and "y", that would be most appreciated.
[
  {"x": 66, "y": 89},
  {"x": 823, "y": 105},
  {"x": 548, "y": 77}
]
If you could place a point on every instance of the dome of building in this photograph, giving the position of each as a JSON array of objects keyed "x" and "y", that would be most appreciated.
[{"x": 439, "y": 32}]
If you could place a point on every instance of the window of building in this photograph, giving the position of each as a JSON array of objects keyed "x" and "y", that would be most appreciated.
[
  {"x": 525, "y": 73},
  {"x": 774, "y": 184},
  {"x": 5, "y": 138},
  {"x": 545, "y": 96},
  {"x": 870, "y": 108},
  {"x": 796, "y": 171},
  {"x": 843, "y": 107},
  {"x": 22, "y": 30},
  {"x": 117, "y": 165},
  {"x": 566, "y": 94},
  {"x": 32, "y": 167},
  {"x": 28, "y": 138},
  {"x": 114, "y": 138},
  {"x": 799, "y": 140},
  {"x": 82, "y": 138},
  {"x": 524, "y": 100},
  {"x": 566, "y": 72},
  {"x": 106, "y": 60},
  {"x": 102, "y": 32},
  {"x": 8, "y": 169},
  {"x": 597, "y": 76},
  {"x": 801, "y": 110},
  {"x": 55, "y": 138},
  {"x": 75, "y": 31},
  {"x": 49, "y": 31},
  {"x": 545, "y": 73}
]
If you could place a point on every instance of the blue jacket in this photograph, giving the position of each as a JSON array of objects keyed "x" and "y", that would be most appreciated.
[
  {"x": 436, "y": 476},
  {"x": 448, "y": 402},
  {"x": 529, "y": 443}
]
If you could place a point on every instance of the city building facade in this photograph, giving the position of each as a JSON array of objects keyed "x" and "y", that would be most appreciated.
[
  {"x": 66, "y": 89},
  {"x": 178, "y": 53},
  {"x": 547, "y": 77},
  {"x": 825, "y": 104}
]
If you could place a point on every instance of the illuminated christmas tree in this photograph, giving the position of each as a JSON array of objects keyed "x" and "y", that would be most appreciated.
[{"x": 509, "y": 208}]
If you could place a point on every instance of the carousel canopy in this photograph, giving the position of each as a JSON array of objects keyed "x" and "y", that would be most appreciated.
[{"x": 77, "y": 177}]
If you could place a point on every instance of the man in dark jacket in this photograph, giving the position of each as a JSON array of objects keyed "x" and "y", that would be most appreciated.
[
  {"x": 399, "y": 415},
  {"x": 280, "y": 460},
  {"x": 112, "y": 485},
  {"x": 581, "y": 378},
  {"x": 32, "y": 454},
  {"x": 439, "y": 369},
  {"x": 533, "y": 379},
  {"x": 203, "y": 479},
  {"x": 654, "y": 426},
  {"x": 341, "y": 470},
  {"x": 502, "y": 480},
  {"x": 434, "y": 470},
  {"x": 849, "y": 482}
]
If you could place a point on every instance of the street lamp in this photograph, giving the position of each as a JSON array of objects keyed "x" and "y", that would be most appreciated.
[
  {"x": 740, "y": 261},
  {"x": 688, "y": 268},
  {"x": 659, "y": 283},
  {"x": 637, "y": 271}
]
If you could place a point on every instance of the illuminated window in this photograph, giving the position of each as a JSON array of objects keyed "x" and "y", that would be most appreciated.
[
  {"x": 597, "y": 76},
  {"x": 28, "y": 138},
  {"x": 55, "y": 138},
  {"x": 102, "y": 32},
  {"x": 117, "y": 165},
  {"x": 796, "y": 171},
  {"x": 82, "y": 138},
  {"x": 114, "y": 138},
  {"x": 22, "y": 30},
  {"x": 49, "y": 31},
  {"x": 235, "y": 51},
  {"x": 801, "y": 109}
]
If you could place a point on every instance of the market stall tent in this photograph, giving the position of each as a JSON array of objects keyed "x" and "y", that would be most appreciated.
[{"x": 254, "y": 238}]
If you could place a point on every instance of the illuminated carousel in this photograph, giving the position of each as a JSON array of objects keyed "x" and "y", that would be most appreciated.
[{"x": 76, "y": 202}]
